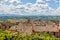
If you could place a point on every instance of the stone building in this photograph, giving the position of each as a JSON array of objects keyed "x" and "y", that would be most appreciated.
[
  {"x": 36, "y": 26},
  {"x": 23, "y": 27}
]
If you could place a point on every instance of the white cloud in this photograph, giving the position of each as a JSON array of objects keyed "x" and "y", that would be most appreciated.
[
  {"x": 6, "y": 8},
  {"x": 39, "y": 0},
  {"x": 11, "y": 1},
  {"x": 2, "y": 1},
  {"x": 28, "y": 8},
  {"x": 48, "y": 0},
  {"x": 39, "y": 8}
]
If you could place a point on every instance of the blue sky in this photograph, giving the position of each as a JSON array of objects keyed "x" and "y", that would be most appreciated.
[
  {"x": 53, "y": 3},
  {"x": 30, "y": 7}
]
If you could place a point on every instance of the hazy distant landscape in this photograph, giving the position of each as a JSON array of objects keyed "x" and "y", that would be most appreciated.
[
  {"x": 34, "y": 27},
  {"x": 31, "y": 17}
]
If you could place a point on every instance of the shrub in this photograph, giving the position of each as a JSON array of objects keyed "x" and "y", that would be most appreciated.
[{"x": 7, "y": 35}]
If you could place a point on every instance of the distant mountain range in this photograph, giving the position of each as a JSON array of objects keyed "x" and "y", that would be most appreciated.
[
  {"x": 8, "y": 15},
  {"x": 5, "y": 17},
  {"x": 26, "y": 15}
]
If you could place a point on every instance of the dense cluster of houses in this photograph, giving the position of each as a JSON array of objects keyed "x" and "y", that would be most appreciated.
[{"x": 31, "y": 26}]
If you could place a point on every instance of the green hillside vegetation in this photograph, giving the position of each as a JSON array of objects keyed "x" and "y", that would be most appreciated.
[
  {"x": 7, "y": 35},
  {"x": 16, "y": 20}
]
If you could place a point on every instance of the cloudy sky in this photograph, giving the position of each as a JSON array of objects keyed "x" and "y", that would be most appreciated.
[{"x": 30, "y": 7}]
